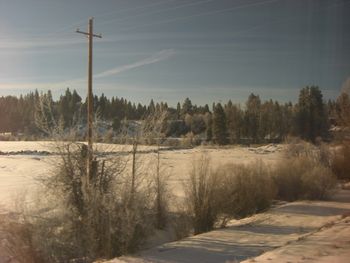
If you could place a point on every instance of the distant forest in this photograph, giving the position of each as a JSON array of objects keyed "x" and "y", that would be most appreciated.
[{"x": 254, "y": 121}]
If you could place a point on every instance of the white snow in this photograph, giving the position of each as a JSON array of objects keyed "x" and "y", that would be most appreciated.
[
  {"x": 19, "y": 171},
  {"x": 18, "y": 176},
  {"x": 296, "y": 232},
  {"x": 303, "y": 231}
]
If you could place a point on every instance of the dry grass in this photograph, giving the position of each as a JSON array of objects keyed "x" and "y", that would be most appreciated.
[
  {"x": 305, "y": 173},
  {"x": 202, "y": 195},
  {"x": 341, "y": 162},
  {"x": 245, "y": 189},
  {"x": 16, "y": 241},
  {"x": 182, "y": 225},
  {"x": 214, "y": 196}
]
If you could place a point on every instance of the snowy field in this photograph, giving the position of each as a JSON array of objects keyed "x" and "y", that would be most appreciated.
[
  {"x": 304, "y": 231},
  {"x": 22, "y": 163}
]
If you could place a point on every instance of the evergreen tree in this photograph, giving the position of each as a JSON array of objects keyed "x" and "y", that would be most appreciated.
[
  {"x": 311, "y": 118},
  {"x": 209, "y": 126},
  {"x": 252, "y": 117},
  {"x": 308, "y": 119},
  {"x": 234, "y": 121},
  {"x": 187, "y": 107},
  {"x": 219, "y": 125},
  {"x": 343, "y": 109},
  {"x": 151, "y": 108},
  {"x": 206, "y": 108},
  {"x": 102, "y": 106},
  {"x": 178, "y": 110}
]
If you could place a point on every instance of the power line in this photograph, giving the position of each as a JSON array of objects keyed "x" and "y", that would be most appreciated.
[
  {"x": 79, "y": 23},
  {"x": 133, "y": 8},
  {"x": 201, "y": 14},
  {"x": 157, "y": 11}
]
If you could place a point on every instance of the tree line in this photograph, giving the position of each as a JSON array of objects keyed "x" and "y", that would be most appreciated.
[{"x": 253, "y": 122}]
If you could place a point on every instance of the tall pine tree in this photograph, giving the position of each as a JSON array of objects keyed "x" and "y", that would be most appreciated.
[
  {"x": 219, "y": 125},
  {"x": 311, "y": 118}
]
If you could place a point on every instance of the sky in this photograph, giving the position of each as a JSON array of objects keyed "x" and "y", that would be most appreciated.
[{"x": 167, "y": 50}]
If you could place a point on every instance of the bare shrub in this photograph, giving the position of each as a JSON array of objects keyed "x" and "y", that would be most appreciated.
[
  {"x": 16, "y": 241},
  {"x": 108, "y": 137},
  {"x": 244, "y": 190},
  {"x": 187, "y": 140},
  {"x": 182, "y": 225},
  {"x": 232, "y": 191},
  {"x": 154, "y": 128},
  {"x": 131, "y": 222},
  {"x": 287, "y": 176},
  {"x": 341, "y": 162},
  {"x": 325, "y": 155},
  {"x": 106, "y": 214},
  {"x": 172, "y": 142},
  {"x": 306, "y": 172},
  {"x": 303, "y": 177},
  {"x": 299, "y": 148},
  {"x": 201, "y": 193},
  {"x": 79, "y": 225},
  {"x": 318, "y": 183},
  {"x": 161, "y": 195},
  {"x": 105, "y": 218}
]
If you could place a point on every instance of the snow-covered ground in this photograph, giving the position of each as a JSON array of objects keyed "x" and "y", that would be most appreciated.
[
  {"x": 18, "y": 176},
  {"x": 51, "y": 146},
  {"x": 20, "y": 165},
  {"x": 304, "y": 231}
]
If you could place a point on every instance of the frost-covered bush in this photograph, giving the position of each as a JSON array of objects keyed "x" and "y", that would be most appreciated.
[
  {"x": 341, "y": 162},
  {"x": 202, "y": 195},
  {"x": 217, "y": 195},
  {"x": 102, "y": 218},
  {"x": 245, "y": 189},
  {"x": 304, "y": 174}
]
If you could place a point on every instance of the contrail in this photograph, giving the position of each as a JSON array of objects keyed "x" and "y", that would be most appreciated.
[
  {"x": 161, "y": 55},
  {"x": 157, "y": 57}
]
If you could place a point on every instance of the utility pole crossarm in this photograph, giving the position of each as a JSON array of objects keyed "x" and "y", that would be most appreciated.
[{"x": 86, "y": 33}]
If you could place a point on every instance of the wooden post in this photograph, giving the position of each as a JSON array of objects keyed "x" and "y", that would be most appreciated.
[
  {"x": 90, "y": 112},
  {"x": 90, "y": 104}
]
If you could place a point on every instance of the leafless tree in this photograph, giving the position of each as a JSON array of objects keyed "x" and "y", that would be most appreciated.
[
  {"x": 105, "y": 215},
  {"x": 153, "y": 130}
]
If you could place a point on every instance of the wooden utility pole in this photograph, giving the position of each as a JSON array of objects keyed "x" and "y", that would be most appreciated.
[{"x": 90, "y": 112}]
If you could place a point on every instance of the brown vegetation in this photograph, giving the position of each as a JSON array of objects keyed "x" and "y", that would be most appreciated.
[
  {"x": 303, "y": 178},
  {"x": 305, "y": 173},
  {"x": 233, "y": 191},
  {"x": 16, "y": 241},
  {"x": 341, "y": 162},
  {"x": 214, "y": 196},
  {"x": 107, "y": 214},
  {"x": 105, "y": 218},
  {"x": 245, "y": 189},
  {"x": 202, "y": 193}
]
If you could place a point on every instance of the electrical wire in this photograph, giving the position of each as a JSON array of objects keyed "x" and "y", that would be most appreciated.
[
  {"x": 156, "y": 12},
  {"x": 201, "y": 14}
]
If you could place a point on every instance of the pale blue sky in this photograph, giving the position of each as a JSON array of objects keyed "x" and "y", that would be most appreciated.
[{"x": 208, "y": 50}]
